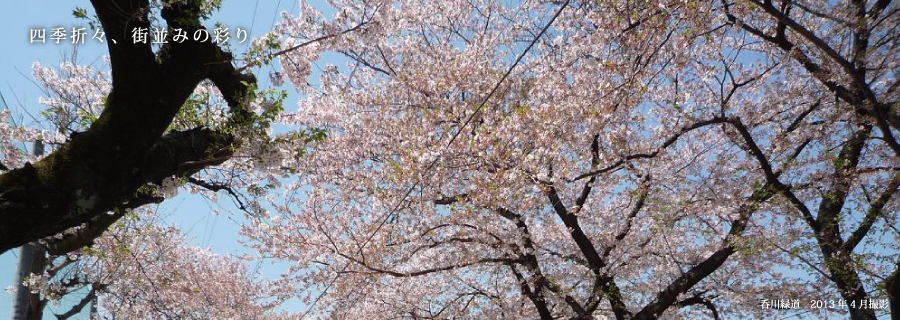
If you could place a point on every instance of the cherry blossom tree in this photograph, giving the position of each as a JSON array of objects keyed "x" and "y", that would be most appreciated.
[
  {"x": 136, "y": 268},
  {"x": 492, "y": 159},
  {"x": 130, "y": 145},
  {"x": 143, "y": 270},
  {"x": 202, "y": 136},
  {"x": 592, "y": 159}
]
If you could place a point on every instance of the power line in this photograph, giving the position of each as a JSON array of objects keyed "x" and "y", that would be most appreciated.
[
  {"x": 519, "y": 59},
  {"x": 396, "y": 207}
]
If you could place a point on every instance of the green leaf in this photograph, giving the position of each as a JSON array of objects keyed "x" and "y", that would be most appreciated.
[{"x": 80, "y": 13}]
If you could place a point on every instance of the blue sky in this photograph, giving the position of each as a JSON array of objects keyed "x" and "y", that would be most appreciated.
[{"x": 191, "y": 212}]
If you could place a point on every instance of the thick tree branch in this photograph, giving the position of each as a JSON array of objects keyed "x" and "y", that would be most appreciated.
[
  {"x": 839, "y": 262},
  {"x": 809, "y": 36},
  {"x": 84, "y": 237},
  {"x": 174, "y": 155},
  {"x": 597, "y": 263},
  {"x": 536, "y": 298},
  {"x": 530, "y": 261},
  {"x": 669, "y": 295},
  {"x": 885, "y": 118},
  {"x": 820, "y": 73},
  {"x": 595, "y": 161},
  {"x": 771, "y": 175},
  {"x": 892, "y": 286},
  {"x": 871, "y": 215},
  {"x": 833, "y": 200},
  {"x": 571, "y": 222}
]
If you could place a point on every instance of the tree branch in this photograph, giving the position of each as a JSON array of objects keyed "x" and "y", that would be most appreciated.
[
  {"x": 871, "y": 215},
  {"x": 670, "y": 141},
  {"x": 668, "y": 296},
  {"x": 81, "y": 304},
  {"x": 697, "y": 299},
  {"x": 595, "y": 161}
]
